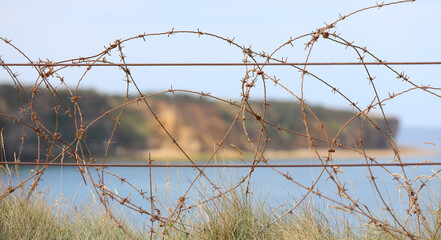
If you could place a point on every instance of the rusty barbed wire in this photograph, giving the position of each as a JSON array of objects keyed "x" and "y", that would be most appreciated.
[
  {"x": 213, "y": 64},
  {"x": 250, "y": 117},
  {"x": 106, "y": 165}
]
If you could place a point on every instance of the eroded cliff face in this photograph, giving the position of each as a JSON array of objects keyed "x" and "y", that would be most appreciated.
[
  {"x": 177, "y": 126},
  {"x": 197, "y": 126},
  {"x": 200, "y": 126}
]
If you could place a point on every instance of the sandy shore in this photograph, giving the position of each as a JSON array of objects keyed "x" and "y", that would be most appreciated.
[
  {"x": 168, "y": 155},
  {"x": 349, "y": 154}
]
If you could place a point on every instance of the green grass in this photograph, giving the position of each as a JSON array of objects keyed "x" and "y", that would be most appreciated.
[
  {"x": 234, "y": 216},
  {"x": 237, "y": 217},
  {"x": 37, "y": 219}
]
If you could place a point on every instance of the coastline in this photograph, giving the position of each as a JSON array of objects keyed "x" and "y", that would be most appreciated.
[{"x": 167, "y": 155}]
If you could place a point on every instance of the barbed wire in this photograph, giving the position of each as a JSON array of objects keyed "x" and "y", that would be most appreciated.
[
  {"x": 213, "y": 64},
  {"x": 334, "y": 165},
  {"x": 50, "y": 148}
]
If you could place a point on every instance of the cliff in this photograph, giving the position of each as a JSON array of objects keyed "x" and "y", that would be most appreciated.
[{"x": 198, "y": 125}]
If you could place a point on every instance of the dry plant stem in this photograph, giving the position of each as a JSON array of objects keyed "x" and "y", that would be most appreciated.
[{"x": 152, "y": 203}]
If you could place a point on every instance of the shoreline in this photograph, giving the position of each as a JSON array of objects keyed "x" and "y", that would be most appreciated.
[{"x": 167, "y": 155}]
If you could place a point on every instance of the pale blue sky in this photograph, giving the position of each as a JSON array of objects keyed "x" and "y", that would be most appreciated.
[{"x": 59, "y": 30}]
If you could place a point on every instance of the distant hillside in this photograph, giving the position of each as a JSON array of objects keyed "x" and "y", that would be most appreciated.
[{"x": 198, "y": 125}]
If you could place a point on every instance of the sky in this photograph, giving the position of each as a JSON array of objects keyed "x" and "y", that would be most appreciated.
[{"x": 59, "y": 30}]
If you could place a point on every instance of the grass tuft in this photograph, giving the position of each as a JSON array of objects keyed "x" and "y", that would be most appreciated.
[
  {"x": 235, "y": 216},
  {"x": 37, "y": 219}
]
